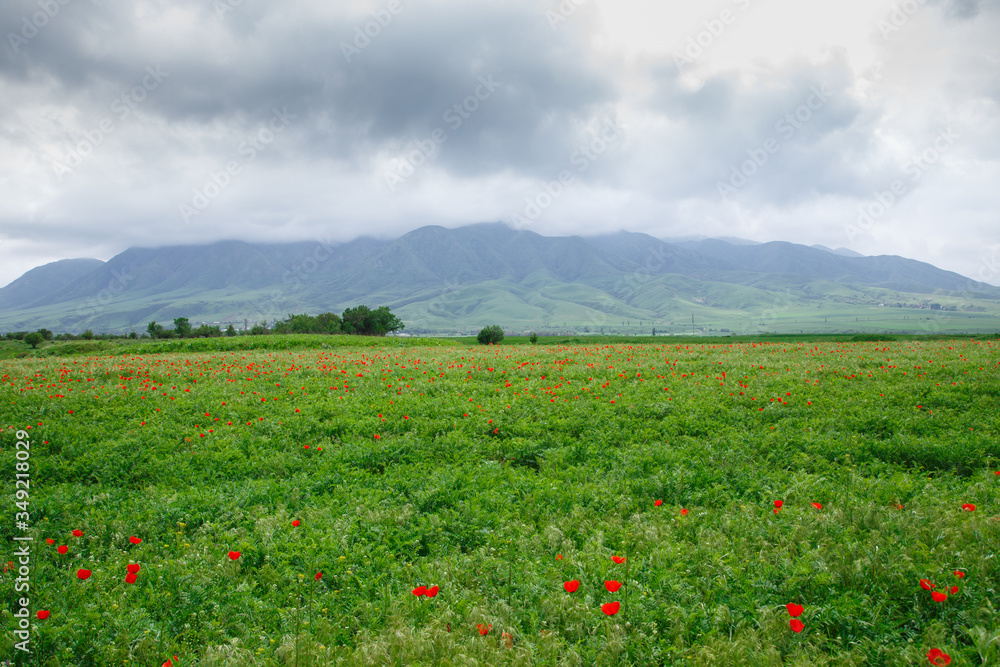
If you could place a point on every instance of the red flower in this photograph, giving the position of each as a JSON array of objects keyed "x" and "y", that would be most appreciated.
[
  {"x": 130, "y": 578},
  {"x": 319, "y": 575},
  {"x": 49, "y": 540},
  {"x": 376, "y": 436},
  {"x": 969, "y": 507},
  {"x": 77, "y": 532},
  {"x": 938, "y": 596},
  {"x": 42, "y": 614},
  {"x": 295, "y": 523},
  {"x": 817, "y": 506},
  {"x": 778, "y": 503},
  {"x": 926, "y": 584},
  {"x": 82, "y": 574},
  {"x": 938, "y": 657},
  {"x": 420, "y": 590},
  {"x": 135, "y": 540},
  {"x": 611, "y": 608},
  {"x": 794, "y": 609},
  {"x": 959, "y": 574},
  {"x": 234, "y": 555},
  {"x": 133, "y": 568},
  {"x": 558, "y": 556},
  {"x": 618, "y": 559},
  {"x": 571, "y": 586},
  {"x": 63, "y": 549},
  {"x": 612, "y": 586},
  {"x": 432, "y": 591},
  {"x": 684, "y": 511},
  {"x": 777, "y": 509},
  {"x": 954, "y": 589},
  {"x": 484, "y": 629},
  {"x": 796, "y": 625}
]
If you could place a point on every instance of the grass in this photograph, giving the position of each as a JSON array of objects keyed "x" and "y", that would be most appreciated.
[{"x": 498, "y": 473}]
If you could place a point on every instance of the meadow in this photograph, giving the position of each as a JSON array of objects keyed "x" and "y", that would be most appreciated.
[{"x": 410, "y": 502}]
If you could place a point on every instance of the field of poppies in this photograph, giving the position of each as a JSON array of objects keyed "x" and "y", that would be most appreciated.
[{"x": 419, "y": 503}]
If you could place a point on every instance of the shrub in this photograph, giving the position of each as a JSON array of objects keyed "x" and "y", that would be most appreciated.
[{"x": 490, "y": 335}]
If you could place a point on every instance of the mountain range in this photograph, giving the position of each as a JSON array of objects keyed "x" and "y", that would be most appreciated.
[{"x": 441, "y": 280}]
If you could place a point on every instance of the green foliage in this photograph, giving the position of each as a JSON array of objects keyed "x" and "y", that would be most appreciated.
[
  {"x": 363, "y": 321},
  {"x": 87, "y": 335},
  {"x": 533, "y": 338},
  {"x": 33, "y": 339},
  {"x": 182, "y": 327},
  {"x": 491, "y": 335}
]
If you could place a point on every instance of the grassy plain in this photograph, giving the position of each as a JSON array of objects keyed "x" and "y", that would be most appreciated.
[{"x": 498, "y": 474}]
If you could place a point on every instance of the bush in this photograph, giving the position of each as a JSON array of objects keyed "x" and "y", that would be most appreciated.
[
  {"x": 33, "y": 339},
  {"x": 533, "y": 338},
  {"x": 490, "y": 335}
]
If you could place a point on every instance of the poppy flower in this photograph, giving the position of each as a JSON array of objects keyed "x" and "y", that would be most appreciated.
[
  {"x": 558, "y": 556},
  {"x": 618, "y": 559},
  {"x": 295, "y": 523},
  {"x": 954, "y": 589},
  {"x": 959, "y": 574},
  {"x": 135, "y": 540},
  {"x": 420, "y": 590},
  {"x": 794, "y": 609},
  {"x": 82, "y": 574},
  {"x": 234, "y": 555},
  {"x": 130, "y": 578},
  {"x": 938, "y": 657},
  {"x": 926, "y": 584},
  {"x": 508, "y": 639},
  {"x": 796, "y": 625},
  {"x": 778, "y": 504},
  {"x": 571, "y": 586},
  {"x": 133, "y": 568},
  {"x": 319, "y": 575},
  {"x": 62, "y": 549},
  {"x": 431, "y": 591},
  {"x": 611, "y": 608},
  {"x": 938, "y": 596},
  {"x": 612, "y": 586},
  {"x": 49, "y": 540},
  {"x": 817, "y": 506},
  {"x": 77, "y": 532},
  {"x": 42, "y": 614},
  {"x": 658, "y": 503},
  {"x": 684, "y": 511},
  {"x": 969, "y": 507},
  {"x": 484, "y": 629}
]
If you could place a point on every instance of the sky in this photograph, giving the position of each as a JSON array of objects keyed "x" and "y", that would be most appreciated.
[{"x": 867, "y": 124}]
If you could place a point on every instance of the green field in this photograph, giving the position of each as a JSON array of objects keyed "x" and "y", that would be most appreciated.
[{"x": 499, "y": 474}]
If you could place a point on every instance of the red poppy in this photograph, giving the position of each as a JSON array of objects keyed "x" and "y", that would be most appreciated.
[
  {"x": 49, "y": 540},
  {"x": 618, "y": 559},
  {"x": 133, "y": 568},
  {"x": 82, "y": 574},
  {"x": 77, "y": 532},
  {"x": 63, "y": 549},
  {"x": 778, "y": 504},
  {"x": 432, "y": 591},
  {"x": 959, "y": 574},
  {"x": 817, "y": 506},
  {"x": 130, "y": 578},
  {"x": 612, "y": 586},
  {"x": 796, "y": 625},
  {"x": 611, "y": 608},
  {"x": 420, "y": 590},
  {"x": 684, "y": 511},
  {"x": 777, "y": 509},
  {"x": 135, "y": 540},
  {"x": 954, "y": 589},
  {"x": 938, "y": 657},
  {"x": 969, "y": 507},
  {"x": 558, "y": 556},
  {"x": 938, "y": 596},
  {"x": 42, "y": 614},
  {"x": 571, "y": 586},
  {"x": 926, "y": 584},
  {"x": 234, "y": 555},
  {"x": 794, "y": 609},
  {"x": 484, "y": 629},
  {"x": 319, "y": 575},
  {"x": 295, "y": 523},
  {"x": 658, "y": 503}
]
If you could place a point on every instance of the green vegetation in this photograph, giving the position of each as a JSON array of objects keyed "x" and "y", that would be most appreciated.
[
  {"x": 499, "y": 474},
  {"x": 491, "y": 335}
]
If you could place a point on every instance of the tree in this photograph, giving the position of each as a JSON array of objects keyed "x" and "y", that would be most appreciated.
[
  {"x": 87, "y": 335},
  {"x": 363, "y": 321},
  {"x": 230, "y": 331},
  {"x": 156, "y": 330},
  {"x": 490, "y": 335},
  {"x": 182, "y": 328},
  {"x": 46, "y": 334},
  {"x": 33, "y": 339},
  {"x": 533, "y": 338}
]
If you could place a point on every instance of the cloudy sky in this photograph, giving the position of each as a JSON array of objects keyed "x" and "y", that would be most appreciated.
[{"x": 868, "y": 124}]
